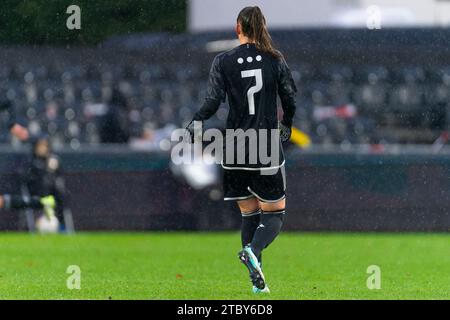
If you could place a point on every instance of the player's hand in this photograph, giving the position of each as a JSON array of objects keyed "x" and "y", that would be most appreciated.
[
  {"x": 189, "y": 132},
  {"x": 285, "y": 132},
  {"x": 19, "y": 132},
  {"x": 193, "y": 132}
]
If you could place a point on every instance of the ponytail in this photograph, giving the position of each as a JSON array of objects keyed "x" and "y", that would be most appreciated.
[{"x": 253, "y": 25}]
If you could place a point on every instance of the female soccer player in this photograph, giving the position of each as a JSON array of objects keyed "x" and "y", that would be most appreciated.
[{"x": 251, "y": 75}]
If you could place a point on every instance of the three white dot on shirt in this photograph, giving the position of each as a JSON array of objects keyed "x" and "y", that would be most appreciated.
[{"x": 249, "y": 59}]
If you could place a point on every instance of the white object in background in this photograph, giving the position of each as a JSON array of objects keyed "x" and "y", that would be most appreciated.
[
  {"x": 209, "y": 15},
  {"x": 46, "y": 225},
  {"x": 198, "y": 175}
]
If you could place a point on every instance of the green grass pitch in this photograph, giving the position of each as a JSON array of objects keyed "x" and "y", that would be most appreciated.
[{"x": 205, "y": 266}]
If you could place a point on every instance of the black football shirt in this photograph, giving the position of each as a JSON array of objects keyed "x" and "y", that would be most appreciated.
[{"x": 251, "y": 80}]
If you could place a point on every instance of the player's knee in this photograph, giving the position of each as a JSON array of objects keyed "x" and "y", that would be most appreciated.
[{"x": 273, "y": 206}]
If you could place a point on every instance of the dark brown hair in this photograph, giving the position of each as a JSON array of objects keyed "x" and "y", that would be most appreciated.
[{"x": 254, "y": 27}]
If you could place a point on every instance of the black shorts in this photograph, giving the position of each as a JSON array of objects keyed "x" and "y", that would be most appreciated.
[{"x": 244, "y": 184}]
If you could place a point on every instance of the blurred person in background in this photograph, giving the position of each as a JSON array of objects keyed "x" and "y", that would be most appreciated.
[
  {"x": 252, "y": 75},
  {"x": 43, "y": 175},
  {"x": 114, "y": 124},
  {"x": 43, "y": 180},
  {"x": 41, "y": 195}
]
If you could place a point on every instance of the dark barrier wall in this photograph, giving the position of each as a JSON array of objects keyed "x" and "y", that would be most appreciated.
[
  {"x": 369, "y": 192},
  {"x": 117, "y": 190}
]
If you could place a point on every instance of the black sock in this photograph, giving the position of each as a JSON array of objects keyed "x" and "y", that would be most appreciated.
[
  {"x": 250, "y": 221},
  {"x": 21, "y": 202},
  {"x": 267, "y": 231}
]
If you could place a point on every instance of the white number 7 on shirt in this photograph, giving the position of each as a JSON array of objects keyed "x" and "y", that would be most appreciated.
[{"x": 252, "y": 90}]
